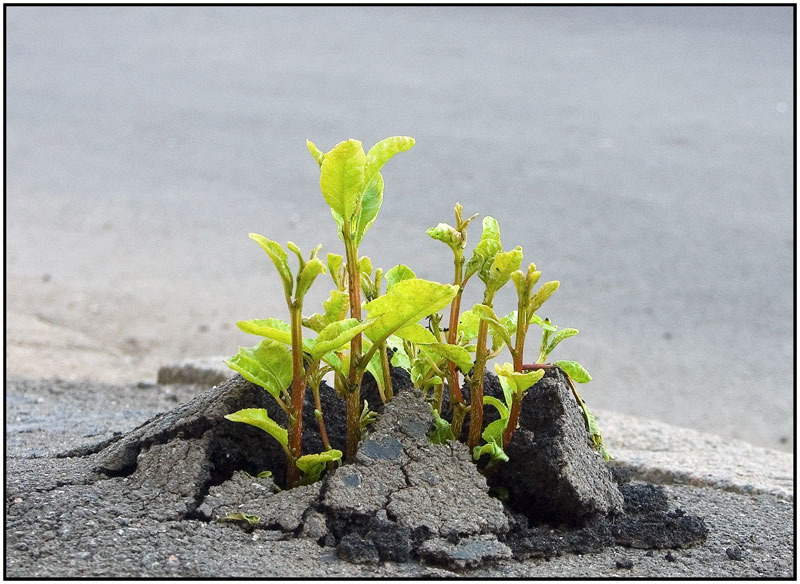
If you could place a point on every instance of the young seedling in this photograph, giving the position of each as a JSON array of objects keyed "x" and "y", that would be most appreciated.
[
  {"x": 352, "y": 185},
  {"x": 456, "y": 239},
  {"x": 494, "y": 267},
  {"x": 274, "y": 366}
]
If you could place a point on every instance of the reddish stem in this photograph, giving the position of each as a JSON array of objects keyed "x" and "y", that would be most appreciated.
[
  {"x": 537, "y": 366},
  {"x": 513, "y": 419}
]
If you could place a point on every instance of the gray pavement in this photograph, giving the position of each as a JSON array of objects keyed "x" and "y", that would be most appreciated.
[
  {"x": 642, "y": 156},
  {"x": 62, "y": 524}
]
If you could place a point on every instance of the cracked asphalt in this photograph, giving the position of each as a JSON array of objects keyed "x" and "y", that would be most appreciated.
[{"x": 60, "y": 525}]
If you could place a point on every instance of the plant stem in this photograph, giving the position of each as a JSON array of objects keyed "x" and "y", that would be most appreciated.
[
  {"x": 536, "y": 366},
  {"x": 516, "y": 355},
  {"x": 388, "y": 392},
  {"x": 513, "y": 418},
  {"x": 320, "y": 422},
  {"x": 476, "y": 387},
  {"x": 452, "y": 336},
  {"x": 298, "y": 395},
  {"x": 353, "y": 399}
]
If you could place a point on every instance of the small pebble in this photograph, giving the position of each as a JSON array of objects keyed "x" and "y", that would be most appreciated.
[
  {"x": 734, "y": 553},
  {"x": 669, "y": 557},
  {"x": 625, "y": 564},
  {"x": 172, "y": 560},
  {"x": 649, "y": 554},
  {"x": 18, "y": 500}
]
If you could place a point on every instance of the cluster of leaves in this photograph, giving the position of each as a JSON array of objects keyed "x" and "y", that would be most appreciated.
[
  {"x": 478, "y": 335},
  {"x": 353, "y": 337}
]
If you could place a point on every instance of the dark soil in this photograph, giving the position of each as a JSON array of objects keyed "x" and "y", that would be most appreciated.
[{"x": 211, "y": 451}]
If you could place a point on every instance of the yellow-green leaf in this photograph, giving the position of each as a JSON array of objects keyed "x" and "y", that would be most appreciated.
[
  {"x": 260, "y": 419},
  {"x": 381, "y": 152},
  {"x": 574, "y": 370},
  {"x": 269, "y": 365},
  {"x": 405, "y": 303},
  {"x": 560, "y": 336},
  {"x": 342, "y": 178},
  {"x": 486, "y": 313},
  {"x": 318, "y": 155},
  {"x": 399, "y": 273},
  {"x": 335, "y": 269},
  {"x": 417, "y": 334},
  {"x": 337, "y": 334},
  {"x": 272, "y": 328},
  {"x": 312, "y": 465},
  {"x": 543, "y": 293},
  {"x": 448, "y": 235},
  {"x": 278, "y": 256},
  {"x": 365, "y": 265},
  {"x": 504, "y": 264},
  {"x": 519, "y": 382},
  {"x": 308, "y": 274},
  {"x": 468, "y": 323},
  {"x": 370, "y": 205},
  {"x": 455, "y": 353},
  {"x": 485, "y": 250}
]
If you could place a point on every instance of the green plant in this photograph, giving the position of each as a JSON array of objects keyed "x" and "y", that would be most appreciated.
[{"x": 353, "y": 338}]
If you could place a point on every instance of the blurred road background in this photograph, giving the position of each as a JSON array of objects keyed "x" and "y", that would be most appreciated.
[{"x": 642, "y": 156}]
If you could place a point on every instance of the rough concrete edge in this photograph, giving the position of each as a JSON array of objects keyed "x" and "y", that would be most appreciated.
[
  {"x": 653, "y": 451},
  {"x": 206, "y": 371},
  {"x": 661, "y": 453}
]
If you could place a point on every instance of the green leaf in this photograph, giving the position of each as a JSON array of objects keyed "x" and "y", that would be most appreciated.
[
  {"x": 365, "y": 265},
  {"x": 371, "y": 203},
  {"x": 494, "y": 431},
  {"x": 494, "y": 451},
  {"x": 399, "y": 273},
  {"x": 486, "y": 313},
  {"x": 308, "y": 274},
  {"x": 260, "y": 419},
  {"x": 268, "y": 365},
  {"x": 272, "y": 328},
  {"x": 399, "y": 357},
  {"x": 336, "y": 305},
  {"x": 336, "y": 335},
  {"x": 264, "y": 474},
  {"x": 416, "y": 333},
  {"x": 501, "y": 268},
  {"x": 468, "y": 323},
  {"x": 448, "y": 235},
  {"x": 374, "y": 367},
  {"x": 455, "y": 353},
  {"x": 442, "y": 431},
  {"x": 381, "y": 152},
  {"x": 560, "y": 336},
  {"x": 367, "y": 418},
  {"x": 548, "y": 326},
  {"x": 251, "y": 519},
  {"x": 342, "y": 178},
  {"x": 485, "y": 251},
  {"x": 508, "y": 390},
  {"x": 543, "y": 293},
  {"x": 594, "y": 433},
  {"x": 498, "y": 405},
  {"x": 574, "y": 370},
  {"x": 335, "y": 269},
  {"x": 312, "y": 465},
  {"x": 318, "y": 155},
  {"x": 518, "y": 382},
  {"x": 278, "y": 256},
  {"x": 406, "y": 303}
]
